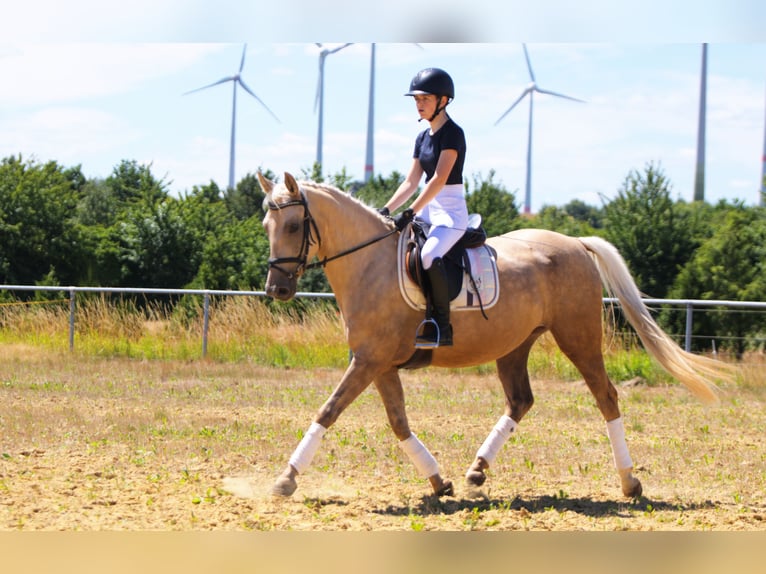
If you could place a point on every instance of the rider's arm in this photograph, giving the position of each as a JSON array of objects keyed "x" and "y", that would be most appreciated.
[{"x": 407, "y": 187}]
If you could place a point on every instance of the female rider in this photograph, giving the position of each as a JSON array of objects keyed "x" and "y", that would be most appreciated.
[{"x": 440, "y": 154}]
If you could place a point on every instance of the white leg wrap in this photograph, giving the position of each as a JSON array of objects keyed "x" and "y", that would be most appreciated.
[
  {"x": 423, "y": 460},
  {"x": 500, "y": 433},
  {"x": 307, "y": 448},
  {"x": 616, "y": 432}
]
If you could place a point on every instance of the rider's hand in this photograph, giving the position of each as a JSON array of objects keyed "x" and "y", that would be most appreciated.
[{"x": 404, "y": 218}]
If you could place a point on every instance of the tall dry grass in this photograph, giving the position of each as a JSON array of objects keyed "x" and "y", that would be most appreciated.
[
  {"x": 240, "y": 328},
  {"x": 309, "y": 334}
]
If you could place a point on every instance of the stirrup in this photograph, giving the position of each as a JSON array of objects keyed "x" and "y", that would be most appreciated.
[{"x": 422, "y": 344}]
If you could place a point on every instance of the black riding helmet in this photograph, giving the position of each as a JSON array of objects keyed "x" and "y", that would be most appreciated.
[{"x": 433, "y": 81}]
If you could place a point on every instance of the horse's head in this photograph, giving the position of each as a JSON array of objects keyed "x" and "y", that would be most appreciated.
[{"x": 290, "y": 230}]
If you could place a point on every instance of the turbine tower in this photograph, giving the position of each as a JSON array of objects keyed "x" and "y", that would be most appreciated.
[
  {"x": 236, "y": 80},
  {"x": 319, "y": 100},
  {"x": 368, "y": 163},
  {"x": 530, "y": 90},
  {"x": 368, "y": 156},
  {"x": 699, "y": 171}
]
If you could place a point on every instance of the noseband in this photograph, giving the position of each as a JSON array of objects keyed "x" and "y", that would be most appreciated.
[{"x": 308, "y": 241}]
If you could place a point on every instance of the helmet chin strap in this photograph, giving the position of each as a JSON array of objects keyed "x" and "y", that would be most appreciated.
[{"x": 438, "y": 109}]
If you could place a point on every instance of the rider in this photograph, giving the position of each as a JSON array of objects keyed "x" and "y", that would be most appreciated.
[{"x": 440, "y": 154}]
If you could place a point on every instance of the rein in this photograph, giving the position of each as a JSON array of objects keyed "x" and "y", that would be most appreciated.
[{"x": 308, "y": 223}]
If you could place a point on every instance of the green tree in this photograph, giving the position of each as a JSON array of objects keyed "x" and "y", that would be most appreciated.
[
  {"x": 135, "y": 184},
  {"x": 97, "y": 214},
  {"x": 234, "y": 258},
  {"x": 97, "y": 204},
  {"x": 653, "y": 236},
  {"x": 379, "y": 189},
  {"x": 731, "y": 265},
  {"x": 246, "y": 199},
  {"x": 558, "y": 219},
  {"x": 494, "y": 203},
  {"x": 313, "y": 174},
  {"x": 157, "y": 248},
  {"x": 581, "y": 211},
  {"x": 38, "y": 235},
  {"x": 230, "y": 252}
]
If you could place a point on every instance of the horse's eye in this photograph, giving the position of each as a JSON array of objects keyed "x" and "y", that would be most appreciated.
[{"x": 293, "y": 227}]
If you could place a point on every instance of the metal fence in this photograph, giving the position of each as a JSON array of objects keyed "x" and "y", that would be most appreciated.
[
  {"x": 206, "y": 294},
  {"x": 690, "y": 304}
]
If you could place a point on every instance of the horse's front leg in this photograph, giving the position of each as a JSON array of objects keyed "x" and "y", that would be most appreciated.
[
  {"x": 389, "y": 386},
  {"x": 356, "y": 378}
]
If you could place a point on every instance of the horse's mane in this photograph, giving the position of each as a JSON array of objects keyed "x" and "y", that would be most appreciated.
[{"x": 331, "y": 190}]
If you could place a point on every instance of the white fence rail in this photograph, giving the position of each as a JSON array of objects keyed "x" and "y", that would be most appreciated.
[{"x": 688, "y": 304}]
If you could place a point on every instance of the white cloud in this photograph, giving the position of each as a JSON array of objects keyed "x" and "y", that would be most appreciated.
[
  {"x": 65, "y": 134},
  {"x": 70, "y": 72}
]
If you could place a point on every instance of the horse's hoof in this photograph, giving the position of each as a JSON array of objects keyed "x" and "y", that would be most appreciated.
[
  {"x": 475, "y": 477},
  {"x": 446, "y": 489},
  {"x": 284, "y": 486},
  {"x": 633, "y": 489}
]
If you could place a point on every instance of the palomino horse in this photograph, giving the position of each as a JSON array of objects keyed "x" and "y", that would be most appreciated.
[{"x": 547, "y": 282}]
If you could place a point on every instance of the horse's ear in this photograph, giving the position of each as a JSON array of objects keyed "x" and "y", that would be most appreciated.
[
  {"x": 266, "y": 184},
  {"x": 292, "y": 185}
]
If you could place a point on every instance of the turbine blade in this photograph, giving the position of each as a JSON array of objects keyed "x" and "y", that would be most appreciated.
[
  {"x": 252, "y": 93},
  {"x": 529, "y": 63},
  {"x": 339, "y": 48},
  {"x": 514, "y": 104},
  {"x": 542, "y": 91},
  {"x": 221, "y": 81},
  {"x": 242, "y": 62}
]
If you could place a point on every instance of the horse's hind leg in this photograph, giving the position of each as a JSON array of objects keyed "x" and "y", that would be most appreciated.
[
  {"x": 512, "y": 370},
  {"x": 390, "y": 388},
  {"x": 580, "y": 340}
]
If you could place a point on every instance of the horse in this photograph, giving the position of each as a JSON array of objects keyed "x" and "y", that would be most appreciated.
[{"x": 548, "y": 282}]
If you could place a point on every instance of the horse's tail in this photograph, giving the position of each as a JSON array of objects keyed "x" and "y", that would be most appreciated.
[{"x": 696, "y": 372}]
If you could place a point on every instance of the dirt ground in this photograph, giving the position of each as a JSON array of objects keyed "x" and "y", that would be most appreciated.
[{"x": 90, "y": 444}]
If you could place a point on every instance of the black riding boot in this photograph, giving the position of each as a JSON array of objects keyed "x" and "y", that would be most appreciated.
[{"x": 440, "y": 311}]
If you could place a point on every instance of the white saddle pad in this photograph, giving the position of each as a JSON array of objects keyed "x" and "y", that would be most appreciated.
[{"x": 483, "y": 270}]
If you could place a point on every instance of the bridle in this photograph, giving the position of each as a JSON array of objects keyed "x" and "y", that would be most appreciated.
[{"x": 308, "y": 240}]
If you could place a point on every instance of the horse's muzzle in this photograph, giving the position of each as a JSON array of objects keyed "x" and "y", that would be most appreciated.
[{"x": 280, "y": 291}]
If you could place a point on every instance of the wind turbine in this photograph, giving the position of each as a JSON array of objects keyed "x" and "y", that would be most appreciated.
[
  {"x": 368, "y": 164},
  {"x": 236, "y": 80},
  {"x": 699, "y": 172},
  {"x": 530, "y": 90},
  {"x": 319, "y": 100}
]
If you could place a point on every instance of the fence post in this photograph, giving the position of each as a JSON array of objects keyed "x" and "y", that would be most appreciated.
[
  {"x": 688, "y": 337},
  {"x": 205, "y": 322},
  {"x": 71, "y": 318}
]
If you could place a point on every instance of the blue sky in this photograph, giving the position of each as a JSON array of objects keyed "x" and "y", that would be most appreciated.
[{"x": 83, "y": 86}]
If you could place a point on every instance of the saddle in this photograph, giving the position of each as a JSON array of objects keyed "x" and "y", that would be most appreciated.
[{"x": 470, "y": 265}]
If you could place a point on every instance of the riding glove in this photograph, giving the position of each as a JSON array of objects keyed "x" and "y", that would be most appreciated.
[{"x": 404, "y": 218}]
